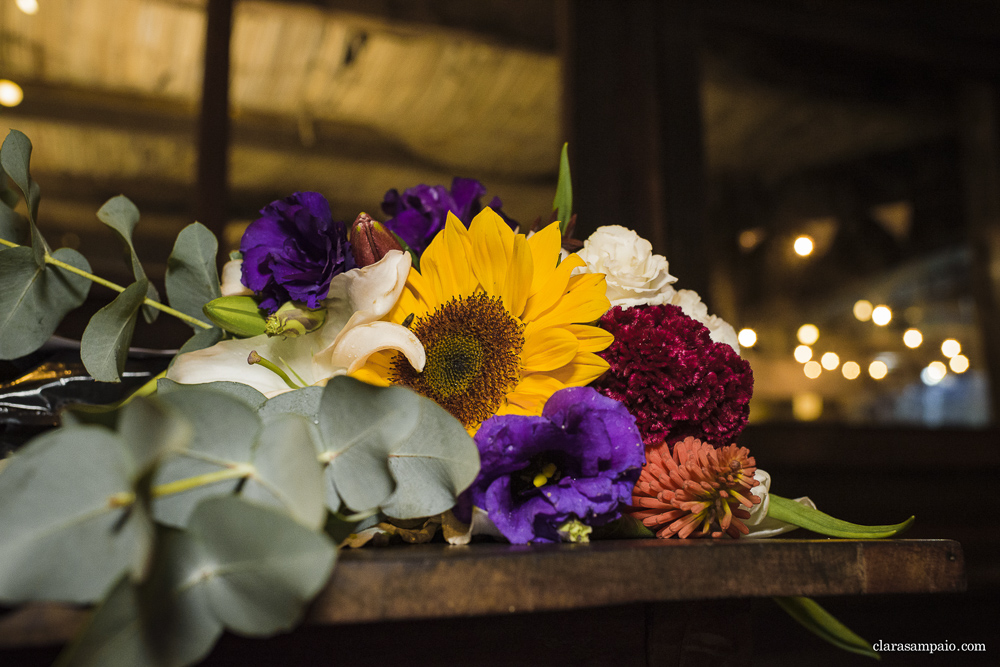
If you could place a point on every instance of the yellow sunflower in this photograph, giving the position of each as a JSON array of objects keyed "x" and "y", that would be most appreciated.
[{"x": 499, "y": 318}]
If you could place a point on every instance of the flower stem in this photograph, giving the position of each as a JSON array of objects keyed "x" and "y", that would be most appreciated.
[
  {"x": 126, "y": 498},
  {"x": 193, "y": 321}
]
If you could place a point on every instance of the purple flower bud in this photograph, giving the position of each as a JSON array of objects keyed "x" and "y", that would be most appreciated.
[{"x": 370, "y": 241}]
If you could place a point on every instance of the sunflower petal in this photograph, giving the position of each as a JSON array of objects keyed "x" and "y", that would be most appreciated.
[
  {"x": 446, "y": 271},
  {"x": 549, "y": 349},
  {"x": 492, "y": 248},
  {"x": 585, "y": 300},
  {"x": 553, "y": 290},
  {"x": 545, "y": 246},
  {"x": 518, "y": 282},
  {"x": 592, "y": 339},
  {"x": 584, "y": 369}
]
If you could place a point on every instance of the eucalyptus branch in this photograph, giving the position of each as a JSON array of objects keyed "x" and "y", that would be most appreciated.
[
  {"x": 126, "y": 498},
  {"x": 193, "y": 321}
]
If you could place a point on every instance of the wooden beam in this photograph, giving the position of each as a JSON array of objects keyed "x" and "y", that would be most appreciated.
[
  {"x": 212, "y": 183},
  {"x": 980, "y": 134}
]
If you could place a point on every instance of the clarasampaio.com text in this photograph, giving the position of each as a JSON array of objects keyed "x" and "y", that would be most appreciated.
[{"x": 925, "y": 647}]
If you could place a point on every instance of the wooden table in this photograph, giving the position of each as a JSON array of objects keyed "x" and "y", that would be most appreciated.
[{"x": 641, "y": 602}]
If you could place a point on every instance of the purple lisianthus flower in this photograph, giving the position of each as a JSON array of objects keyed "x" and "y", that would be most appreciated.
[
  {"x": 293, "y": 251},
  {"x": 420, "y": 212},
  {"x": 579, "y": 460}
]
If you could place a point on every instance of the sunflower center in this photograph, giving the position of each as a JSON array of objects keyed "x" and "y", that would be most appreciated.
[{"x": 473, "y": 350}]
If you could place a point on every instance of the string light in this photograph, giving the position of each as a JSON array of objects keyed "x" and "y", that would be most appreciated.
[
  {"x": 863, "y": 310},
  {"x": 830, "y": 361},
  {"x": 812, "y": 370},
  {"x": 881, "y": 315},
  {"x": 933, "y": 373},
  {"x": 10, "y": 93},
  {"x": 959, "y": 363},
  {"x": 803, "y": 353},
  {"x": 808, "y": 334},
  {"x": 913, "y": 338},
  {"x": 851, "y": 370},
  {"x": 950, "y": 348},
  {"x": 747, "y": 337},
  {"x": 803, "y": 246},
  {"x": 29, "y": 7},
  {"x": 877, "y": 369}
]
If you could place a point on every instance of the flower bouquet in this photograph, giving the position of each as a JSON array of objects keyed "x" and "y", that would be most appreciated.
[{"x": 444, "y": 372}]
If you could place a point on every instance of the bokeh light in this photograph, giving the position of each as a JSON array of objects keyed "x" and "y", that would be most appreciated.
[
  {"x": 804, "y": 246},
  {"x": 808, "y": 334},
  {"x": 10, "y": 93},
  {"x": 812, "y": 370},
  {"x": 863, "y": 310},
  {"x": 950, "y": 348},
  {"x": 803, "y": 353},
  {"x": 881, "y": 315},
  {"x": 747, "y": 337},
  {"x": 913, "y": 338},
  {"x": 851, "y": 370},
  {"x": 829, "y": 361},
  {"x": 877, "y": 369},
  {"x": 959, "y": 363}
]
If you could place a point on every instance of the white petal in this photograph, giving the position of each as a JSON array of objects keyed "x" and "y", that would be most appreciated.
[
  {"x": 355, "y": 345},
  {"x": 232, "y": 279},
  {"x": 227, "y": 362}
]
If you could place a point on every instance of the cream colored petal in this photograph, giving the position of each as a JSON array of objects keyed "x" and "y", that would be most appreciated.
[
  {"x": 357, "y": 344},
  {"x": 232, "y": 279},
  {"x": 549, "y": 349}
]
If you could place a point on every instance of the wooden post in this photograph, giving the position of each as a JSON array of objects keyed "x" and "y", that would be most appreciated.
[
  {"x": 981, "y": 169},
  {"x": 212, "y": 184},
  {"x": 632, "y": 115}
]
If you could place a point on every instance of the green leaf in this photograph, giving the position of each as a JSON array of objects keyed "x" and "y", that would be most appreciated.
[
  {"x": 105, "y": 341},
  {"x": 152, "y": 430},
  {"x": 391, "y": 445},
  {"x": 15, "y": 156},
  {"x": 820, "y": 622},
  {"x": 789, "y": 511},
  {"x": 63, "y": 537},
  {"x": 121, "y": 215},
  {"x": 34, "y": 299},
  {"x": 237, "y": 390},
  {"x": 563, "y": 203},
  {"x": 259, "y": 568},
  {"x": 288, "y": 475},
  {"x": 225, "y": 431},
  {"x": 13, "y": 226},
  {"x": 192, "y": 279},
  {"x": 239, "y": 315}
]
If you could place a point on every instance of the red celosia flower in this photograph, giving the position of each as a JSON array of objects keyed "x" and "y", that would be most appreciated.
[
  {"x": 674, "y": 379},
  {"x": 695, "y": 491}
]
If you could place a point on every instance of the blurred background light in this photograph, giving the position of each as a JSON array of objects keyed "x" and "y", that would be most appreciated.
[
  {"x": 913, "y": 338},
  {"x": 747, "y": 337},
  {"x": 863, "y": 310},
  {"x": 851, "y": 370},
  {"x": 881, "y": 315},
  {"x": 808, "y": 334},
  {"x": 807, "y": 406},
  {"x": 933, "y": 373},
  {"x": 877, "y": 369},
  {"x": 812, "y": 370},
  {"x": 830, "y": 361},
  {"x": 804, "y": 246},
  {"x": 959, "y": 363},
  {"x": 950, "y": 348},
  {"x": 10, "y": 93},
  {"x": 29, "y": 7},
  {"x": 803, "y": 353}
]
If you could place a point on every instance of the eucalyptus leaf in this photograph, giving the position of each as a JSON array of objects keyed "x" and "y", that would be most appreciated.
[
  {"x": 34, "y": 299},
  {"x": 192, "y": 279},
  {"x": 7, "y": 195},
  {"x": 225, "y": 431},
  {"x": 305, "y": 402},
  {"x": 15, "y": 156},
  {"x": 432, "y": 466},
  {"x": 121, "y": 215},
  {"x": 152, "y": 430},
  {"x": 393, "y": 448},
  {"x": 13, "y": 226},
  {"x": 63, "y": 536},
  {"x": 237, "y": 390},
  {"x": 789, "y": 511},
  {"x": 105, "y": 341},
  {"x": 112, "y": 636},
  {"x": 259, "y": 567},
  {"x": 808, "y": 613},
  {"x": 288, "y": 475},
  {"x": 563, "y": 203}
]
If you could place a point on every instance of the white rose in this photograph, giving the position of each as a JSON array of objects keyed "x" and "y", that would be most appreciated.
[
  {"x": 635, "y": 275},
  {"x": 692, "y": 305}
]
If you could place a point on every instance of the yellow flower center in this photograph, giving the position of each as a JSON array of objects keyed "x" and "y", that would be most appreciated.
[{"x": 473, "y": 350}]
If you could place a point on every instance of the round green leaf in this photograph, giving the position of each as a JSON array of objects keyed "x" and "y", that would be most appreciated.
[
  {"x": 192, "y": 279},
  {"x": 105, "y": 341},
  {"x": 63, "y": 537}
]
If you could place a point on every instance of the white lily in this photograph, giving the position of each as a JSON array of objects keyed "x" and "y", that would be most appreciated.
[
  {"x": 759, "y": 523},
  {"x": 352, "y": 332}
]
